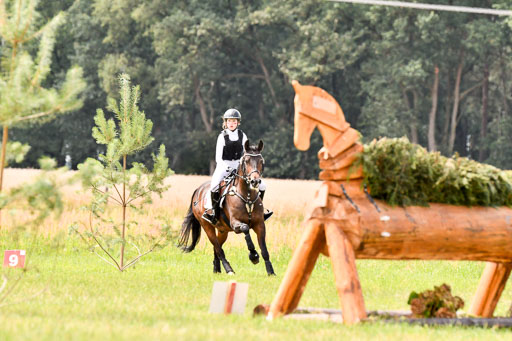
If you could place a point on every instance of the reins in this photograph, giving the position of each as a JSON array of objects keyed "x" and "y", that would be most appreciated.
[{"x": 249, "y": 204}]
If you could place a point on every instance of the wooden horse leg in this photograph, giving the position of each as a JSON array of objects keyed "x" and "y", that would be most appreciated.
[
  {"x": 345, "y": 273},
  {"x": 489, "y": 289},
  {"x": 299, "y": 269}
]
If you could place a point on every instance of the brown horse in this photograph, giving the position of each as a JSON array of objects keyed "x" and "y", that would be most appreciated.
[{"x": 242, "y": 210}]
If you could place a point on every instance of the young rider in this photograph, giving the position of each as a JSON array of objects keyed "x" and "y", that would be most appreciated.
[{"x": 230, "y": 148}]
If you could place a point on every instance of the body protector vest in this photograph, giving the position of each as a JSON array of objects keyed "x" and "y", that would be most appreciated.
[{"x": 233, "y": 150}]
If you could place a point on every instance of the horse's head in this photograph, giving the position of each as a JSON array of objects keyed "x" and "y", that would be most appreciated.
[
  {"x": 314, "y": 107},
  {"x": 252, "y": 164}
]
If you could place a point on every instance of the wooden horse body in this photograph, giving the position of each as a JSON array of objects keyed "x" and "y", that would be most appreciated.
[{"x": 346, "y": 223}]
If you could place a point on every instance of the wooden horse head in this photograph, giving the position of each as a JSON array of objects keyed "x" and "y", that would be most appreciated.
[{"x": 314, "y": 107}]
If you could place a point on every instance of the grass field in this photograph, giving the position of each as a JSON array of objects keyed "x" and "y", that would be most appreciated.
[{"x": 167, "y": 295}]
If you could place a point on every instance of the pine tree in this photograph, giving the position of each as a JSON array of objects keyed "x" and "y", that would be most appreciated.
[
  {"x": 111, "y": 180},
  {"x": 23, "y": 95}
]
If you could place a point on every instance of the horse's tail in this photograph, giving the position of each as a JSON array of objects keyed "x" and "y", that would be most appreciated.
[{"x": 190, "y": 226}]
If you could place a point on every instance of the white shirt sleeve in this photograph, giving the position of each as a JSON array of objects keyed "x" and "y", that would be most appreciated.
[
  {"x": 243, "y": 141},
  {"x": 219, "y": 149}
]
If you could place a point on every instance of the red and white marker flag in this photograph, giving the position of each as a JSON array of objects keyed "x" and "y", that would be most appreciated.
[
  {"x": 229, "y": 297},
  {"x": 14, "y": 258}
]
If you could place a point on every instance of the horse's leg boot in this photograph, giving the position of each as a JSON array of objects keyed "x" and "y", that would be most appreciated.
[{"x": 269, "y": 213}]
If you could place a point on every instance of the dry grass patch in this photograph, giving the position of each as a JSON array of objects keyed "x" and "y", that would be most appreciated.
[{"x": 287, "y": 198}]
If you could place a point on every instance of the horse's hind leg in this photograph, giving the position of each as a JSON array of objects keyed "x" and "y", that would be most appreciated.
[
  {"x": 253, "y": 255},
  {"x": 221, "y": 237},
  {"x": 216, "y": 259},
  {"x": 260, "y": 232}
]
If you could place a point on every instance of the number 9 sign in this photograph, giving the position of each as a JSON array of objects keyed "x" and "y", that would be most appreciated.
[{"x": 14, "y": 258}]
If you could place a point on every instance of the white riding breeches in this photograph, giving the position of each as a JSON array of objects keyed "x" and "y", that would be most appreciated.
[{"x": 221, "y": 171}]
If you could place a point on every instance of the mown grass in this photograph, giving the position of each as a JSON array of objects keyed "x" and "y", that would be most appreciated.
[{"x": 167, "y": 295}]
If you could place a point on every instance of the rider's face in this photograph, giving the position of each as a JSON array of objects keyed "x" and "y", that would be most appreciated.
[{"x": 232, "y": 123}]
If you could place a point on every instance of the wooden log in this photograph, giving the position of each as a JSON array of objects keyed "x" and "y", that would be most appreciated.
[
  {"x": 437, "y": 232},
  {"x": 345, "y": 273},
  {"x": 299, "y": 269},
  {"x": 491, "y": 285}
]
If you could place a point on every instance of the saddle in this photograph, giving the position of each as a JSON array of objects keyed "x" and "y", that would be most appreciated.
[{"x": 225, "y": 185}]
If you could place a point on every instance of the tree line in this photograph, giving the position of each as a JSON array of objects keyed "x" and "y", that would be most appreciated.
[{"x": 440, "y": 78}]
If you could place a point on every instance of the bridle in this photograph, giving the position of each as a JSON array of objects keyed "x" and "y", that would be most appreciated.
[
  {"x": 246, "y": 177},
  {"x": 249, "y": 203}
]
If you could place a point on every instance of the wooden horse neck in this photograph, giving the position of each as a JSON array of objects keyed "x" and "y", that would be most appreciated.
[{"x": 329, "y": 134}]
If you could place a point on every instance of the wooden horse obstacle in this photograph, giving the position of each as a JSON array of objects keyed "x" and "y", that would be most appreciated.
[{"x": 345, "y": 223}]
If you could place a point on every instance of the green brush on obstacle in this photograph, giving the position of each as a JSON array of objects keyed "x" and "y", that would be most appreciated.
[{"x": 405, "y": 174}]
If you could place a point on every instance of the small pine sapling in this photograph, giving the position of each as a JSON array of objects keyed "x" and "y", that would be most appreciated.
[{"x": 113, "y": 182}]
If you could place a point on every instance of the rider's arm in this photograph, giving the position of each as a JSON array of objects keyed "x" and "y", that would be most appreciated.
[
  {"x": 243, "y": 140},
  {"x": 219, "y": 150}
]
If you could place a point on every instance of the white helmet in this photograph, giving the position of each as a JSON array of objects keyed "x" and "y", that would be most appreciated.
[{"x": 232, "y": 113}]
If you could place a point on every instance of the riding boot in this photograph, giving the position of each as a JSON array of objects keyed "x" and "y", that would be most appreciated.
[
  {"x": 269, "y": 213},
  {"x": 212, "y": 216},
  {"x": 215, "y": 204}
]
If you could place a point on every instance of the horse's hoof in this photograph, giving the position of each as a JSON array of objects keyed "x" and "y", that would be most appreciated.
[
  {"x": 272, "y": 274},
  {"x": 231, "y": 273},
  {"x": 255, "y": 258}
]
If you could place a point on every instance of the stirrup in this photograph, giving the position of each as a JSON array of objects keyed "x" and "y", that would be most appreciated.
[
  {"x": 267, "y": 214},
  {"x": 210, "y": 217}
]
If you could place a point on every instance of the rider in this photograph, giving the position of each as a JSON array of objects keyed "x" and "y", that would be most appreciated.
[{"x": 230, "y": 148}]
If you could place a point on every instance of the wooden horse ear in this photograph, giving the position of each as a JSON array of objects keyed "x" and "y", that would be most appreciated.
[
  {"x": 246, "y": 145},
  {"x": 260, "y": 146}
]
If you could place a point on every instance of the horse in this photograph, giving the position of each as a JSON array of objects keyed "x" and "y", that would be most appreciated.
[{"x": 241, "y": 209}]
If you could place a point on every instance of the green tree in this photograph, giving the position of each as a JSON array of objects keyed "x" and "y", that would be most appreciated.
[
  {"x": 23, "y": 95},
  {"x": 109, "y": 177}
]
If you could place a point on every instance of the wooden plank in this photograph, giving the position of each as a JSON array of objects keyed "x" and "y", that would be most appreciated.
[
  {"x": 319, "y": 105},
  {"x": 491, "y": 286},
  {"x": 342, "y": 142},
  {"x": 344, "y": 174},
  {"x": 353, "y": 187},
  {"x": 342, "y": 160},
  {"x": 345, "y": 273},
  {"x": 299, "y": 269}
]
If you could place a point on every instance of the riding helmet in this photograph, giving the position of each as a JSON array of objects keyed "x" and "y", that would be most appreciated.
[{"x": 232, "y": 113}]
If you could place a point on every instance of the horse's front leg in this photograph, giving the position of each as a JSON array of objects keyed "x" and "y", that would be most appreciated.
[
  {"x": 216, "y": 263},
  {"x": 238, "y": 226},
  {"x": 253, "y": 255},
  {"x": 260, "y": 233},
  {"x": 217, "y": 249}
]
